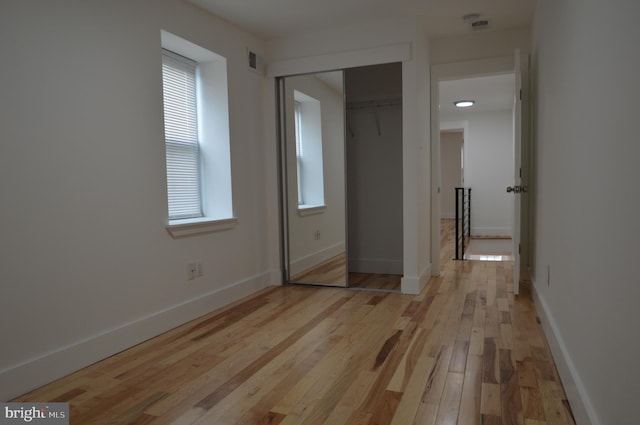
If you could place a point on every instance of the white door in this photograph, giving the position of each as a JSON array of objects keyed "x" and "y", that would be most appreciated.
[{"x": 516, "y": 189}]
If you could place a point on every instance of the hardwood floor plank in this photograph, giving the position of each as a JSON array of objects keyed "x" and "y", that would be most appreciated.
[
  {"x": 471, "y": 392},
  {"x": 410, "y": 402},
  {"x": 491, "y": 420},
  {"x": 490, "y": 401},
  {"x": 527, "y": 373},
  {"x": 345, "y": 410},
  {"x": 554, "y": 409},
  {"x": 410, "y": 360},
  {"x": 506, "y": 336},
  {"x": 450, "y": 404},
  {"x": 426, "y": 414},
  {"x": 437, "y": 377},
  {"x": 476, "y": 342},
  {"x": 271, "y": 418},
  {"x": 386, "y": 408},
  {"x": 490, "y": 368},
  {"x": 532, "y": 404},
  {"x": 458, "y": 361}
]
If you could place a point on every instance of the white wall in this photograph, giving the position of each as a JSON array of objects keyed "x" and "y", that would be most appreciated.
[
  {"x": 305, "y": 250},
  {"x": 586, "y": 184},
  {"x": 480, "y": 45},
  {"x": 87, "y": 267},
  {"x": 488, "y": 170},
  {"x": 451, "y": 166}
]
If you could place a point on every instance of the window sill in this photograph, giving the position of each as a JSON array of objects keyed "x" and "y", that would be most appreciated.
[
  {"x": 304, "y": 210},
  {"x": 196, "y": 226}
]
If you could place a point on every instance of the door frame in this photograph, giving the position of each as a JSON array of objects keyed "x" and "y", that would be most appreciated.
[{"x": 468, "y": 69}]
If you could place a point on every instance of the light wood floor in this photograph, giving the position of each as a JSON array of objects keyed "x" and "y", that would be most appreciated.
[
  {"x": 332, "y": 272},
  {"x": 465, "y": 351}
]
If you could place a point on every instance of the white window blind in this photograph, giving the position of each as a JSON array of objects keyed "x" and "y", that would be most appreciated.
[{"x": 181, "y": 136}]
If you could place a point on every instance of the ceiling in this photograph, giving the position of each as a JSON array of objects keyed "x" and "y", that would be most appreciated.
[
  {"x": 272, "y": 19},
  {"x": 493, "y": 93},
  {"x": 279, "y": 18}
]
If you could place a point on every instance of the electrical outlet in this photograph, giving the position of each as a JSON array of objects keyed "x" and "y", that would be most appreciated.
[
  {"x": 200, "y": 269},
  {"x": 192, "y": 271},
  {"x": 316, "y": 235}
]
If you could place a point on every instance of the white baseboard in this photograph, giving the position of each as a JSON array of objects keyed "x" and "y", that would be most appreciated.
[
  {"x": 448, "y": 216},
  {"x": 581, "y": 406},
  {"x": 304, "y": 263},
  {"x": 492, "y": 231},
  {"x": 369, "y": 265},
  {"x": 275, "y": 278},
  {"x": 414, "y": 285},
  {"x": 33, "y": 373}
]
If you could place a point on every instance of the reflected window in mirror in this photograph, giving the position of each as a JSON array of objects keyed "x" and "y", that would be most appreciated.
[
  {"x": 298, "y": 119},
  {"x": 309, "y": 161}
]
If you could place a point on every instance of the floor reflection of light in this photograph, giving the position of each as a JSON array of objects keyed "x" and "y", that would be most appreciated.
[{"x": 488, "y": 257}]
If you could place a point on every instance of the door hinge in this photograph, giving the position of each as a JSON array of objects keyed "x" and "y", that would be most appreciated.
[
  {"x": 520, "y": 172},
  {"x": 520, "y": 94},
  {"x": 519, "y": 249}
]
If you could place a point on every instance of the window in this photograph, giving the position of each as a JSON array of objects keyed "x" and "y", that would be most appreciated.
[
  {"x": 181, "y": 136},
  {"x": 310, "y": 173},
  {"x": 196, "y": 124}
]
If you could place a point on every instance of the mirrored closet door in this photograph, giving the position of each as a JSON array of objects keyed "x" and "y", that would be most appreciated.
[
  {"x": 341, "y": 173},
  {"x": 312, "y": 123}
]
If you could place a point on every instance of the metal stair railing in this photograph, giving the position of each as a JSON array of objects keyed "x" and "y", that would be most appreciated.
[{"x": 463, "y": 220}]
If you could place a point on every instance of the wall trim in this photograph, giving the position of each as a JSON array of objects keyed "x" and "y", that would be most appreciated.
[
  {"x": 308, "y": 261},
  {"x": 581, "y": 406},
  {"x": 275, "y": 278},
  {"x": 330, "y": 62},
  {"x": 415, "y": 284},
  {"x": 491, "y": 231},
  {"x": 376, "y": 265},
  {"x": 35, "y": 372}
]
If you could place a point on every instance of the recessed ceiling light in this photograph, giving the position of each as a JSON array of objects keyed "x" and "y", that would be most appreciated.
[{"x": 464, "y": 103}]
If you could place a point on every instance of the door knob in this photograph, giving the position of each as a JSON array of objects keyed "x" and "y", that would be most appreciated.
[{"x": 517, "y": 189}]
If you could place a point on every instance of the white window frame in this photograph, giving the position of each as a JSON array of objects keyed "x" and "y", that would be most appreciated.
[{"x": 214, "y": 142}]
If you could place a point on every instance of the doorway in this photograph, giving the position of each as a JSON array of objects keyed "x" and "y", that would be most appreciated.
[
  {"x": 467, "y": 70},
  {"x": 484, "y": 130}
]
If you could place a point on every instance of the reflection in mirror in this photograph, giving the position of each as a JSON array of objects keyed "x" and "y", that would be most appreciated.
[{"x": 314, "y": 156}]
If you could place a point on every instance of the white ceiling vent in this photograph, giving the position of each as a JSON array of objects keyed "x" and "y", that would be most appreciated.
[
  {"x": 255, "y": 62},
  {"x": 475, "y": 21},
  {"x": 480, "y": 24}
]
